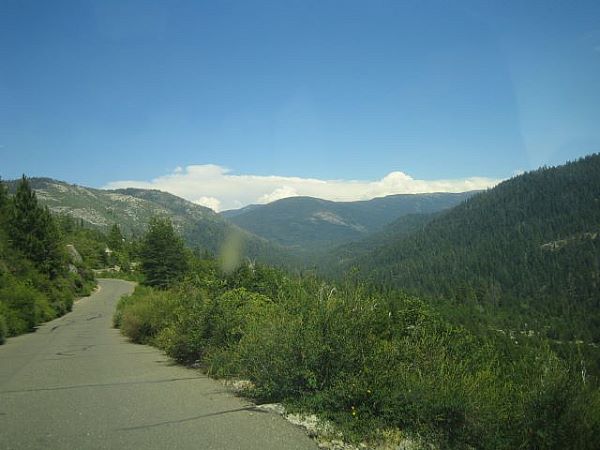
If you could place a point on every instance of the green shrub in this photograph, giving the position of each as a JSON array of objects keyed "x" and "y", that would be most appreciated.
[
  {"x": 184, "y": 337},
  {"x": 369, "y": 362},
  {"x": 210, "y": 328},
  {"x": 144, "y": 316},
  {"x": 561, "y": 411},
  {"x": 25, "y": 308},
  {"x": 227, "y": 315},
  {"x": 273, "y": 355},
  {"x": 3, "y": 329},
  {"x": 61, "y": 295}
]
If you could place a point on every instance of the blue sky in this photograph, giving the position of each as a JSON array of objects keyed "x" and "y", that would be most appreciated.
[{"x": 101, "y": 92}]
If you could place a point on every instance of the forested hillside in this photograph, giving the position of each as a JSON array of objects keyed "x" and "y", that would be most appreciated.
[
  {"x": 306, "y": 223},
  {"x": 132, "y": 210},
  {"x": 39, "y": 276},
  {"x": 526, "y": 253},
  {"x": 384, "y": 367},
  {"x": 330, "y": 261}
]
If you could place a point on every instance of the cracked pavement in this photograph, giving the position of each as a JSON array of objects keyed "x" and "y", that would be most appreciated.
[{"x": 77, "y": 383}]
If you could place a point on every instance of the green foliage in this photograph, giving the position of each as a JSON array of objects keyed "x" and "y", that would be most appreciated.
[
  {"x": 306, "y": 223},
  {"x": 4, "y": 204},
  {"x": 329, "y": 260},
  {"x": 24, "y": 307},
  {"x": 34, "y": 232},
  {"x": 227, "y": 316},
  {"x": 185, "y": 337},
  {"x": 461, "y": 371},
  {"x": 524, "y": 255},
  {"x": 369, "y": 361},
  {"x": 89, "y": 243},
  {"x": 38, "y": 281},
  {"x": 143, "y": 320},
  {"x": 98, "y": 251},
  {"x": 132, "y": 209},
  {"x": 3, "y": 328},
  {"x": 163, "y": 257},
  {"x": 115, "y": 238}
]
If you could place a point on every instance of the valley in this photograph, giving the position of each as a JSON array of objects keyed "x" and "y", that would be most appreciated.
[
  {"x": 308, "y": 224},
  {"x": 479, "y": 302}
]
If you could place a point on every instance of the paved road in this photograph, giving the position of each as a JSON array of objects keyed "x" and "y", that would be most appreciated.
[{"x": 78, "y": 384}]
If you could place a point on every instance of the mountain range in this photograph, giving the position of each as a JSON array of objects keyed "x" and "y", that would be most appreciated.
[
  {"x": 132, "y": 210},
  {"x": 526, "y": 252},
  {"x": 306, "y": 223},
  {"x": 286, "y": 232}
]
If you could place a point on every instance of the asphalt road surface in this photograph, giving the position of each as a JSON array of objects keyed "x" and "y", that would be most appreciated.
[{"x": 76, "y": 383}]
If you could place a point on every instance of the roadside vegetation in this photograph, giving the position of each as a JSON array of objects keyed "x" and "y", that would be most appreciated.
[
  {"x": 370, "y": 361},
  {"x": 46, "y": 261},
  {"x": 38, "y": 279},
  {"x": 477, "y": 328}
]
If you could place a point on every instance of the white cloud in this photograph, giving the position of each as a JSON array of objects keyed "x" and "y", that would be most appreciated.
[
  {"x": 216, "y": 187},
  {"x": 278, "y": 194},
  {"x": 210, "y": 202}
]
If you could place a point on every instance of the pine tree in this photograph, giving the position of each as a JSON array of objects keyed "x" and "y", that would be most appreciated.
[
  {"x": 53, "y": 257},
  {"x": 115, "y": 238},
  {"x": 25, "y": 221},
  {"x": 3, "y": 194},
  {"x": 33, "y": 231},
  {"x": 163, "y": 254},
  {"x": 4, "y": 205},
  {"x": 4, "y": 215}
]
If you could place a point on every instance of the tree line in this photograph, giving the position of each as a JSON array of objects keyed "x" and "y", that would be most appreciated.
[{"x": 38, "y": 278}]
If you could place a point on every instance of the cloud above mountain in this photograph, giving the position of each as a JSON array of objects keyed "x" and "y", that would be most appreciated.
[{"x": 219, "y": 188}]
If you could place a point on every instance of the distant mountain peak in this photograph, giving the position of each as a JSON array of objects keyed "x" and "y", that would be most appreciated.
[{"x": 312, "y": 223}]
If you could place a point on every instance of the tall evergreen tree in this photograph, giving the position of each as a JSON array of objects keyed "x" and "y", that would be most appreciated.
[
  {"x": 33, "y": 231},
  {"x": 4, "y": 205},
  {"x": 3, "y": 194},
  {"x": 115, "y": 238},
  {"x": 53, "y": 257},
  {"x": 163, "y": 254},
  {"x": 25, "y": 221}
]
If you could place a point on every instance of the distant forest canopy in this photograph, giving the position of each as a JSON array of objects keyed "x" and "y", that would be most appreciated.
[
  {"x": 292, "y": 232},
  {"x": 486, "y": 356},
  {"x": 378, "y": 364},
  {"x": 521, "y": 256},
  {"x": 307, "y": 224},
  {"x": 526, "y": 253}
]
